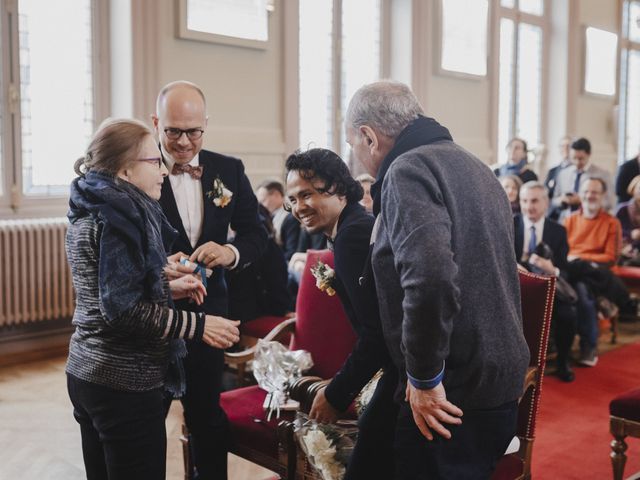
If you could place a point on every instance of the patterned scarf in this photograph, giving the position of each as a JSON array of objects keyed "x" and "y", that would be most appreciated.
[{"x": 134, "y": 240}]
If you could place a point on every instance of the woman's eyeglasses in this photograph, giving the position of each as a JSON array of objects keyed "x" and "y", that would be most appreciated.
[{"x": 156, "y": 161}]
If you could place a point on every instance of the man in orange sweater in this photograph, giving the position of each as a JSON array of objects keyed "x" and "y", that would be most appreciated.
[{"x": 594, "y": 236}]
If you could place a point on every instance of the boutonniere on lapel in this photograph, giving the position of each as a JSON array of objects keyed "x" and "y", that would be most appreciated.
[
  {"x": 220, "y": 193},
  {"x": 324, "y": 276}
]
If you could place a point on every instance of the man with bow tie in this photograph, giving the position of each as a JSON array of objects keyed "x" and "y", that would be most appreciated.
[{"x": 205, "y": 193}]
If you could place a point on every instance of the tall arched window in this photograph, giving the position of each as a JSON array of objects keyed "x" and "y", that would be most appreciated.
[
  {"x": 51, "y": 99},
  {"x": 522, "y": 27},
  {"x": 629, "y": 132},
  {"x": 339, "y": 51}
]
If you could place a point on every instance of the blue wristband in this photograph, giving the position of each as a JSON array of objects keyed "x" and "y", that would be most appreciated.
[{"x": 427, "y": 384}]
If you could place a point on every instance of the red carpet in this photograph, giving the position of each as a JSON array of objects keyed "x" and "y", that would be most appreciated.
[{"x": 572, "y": 435}]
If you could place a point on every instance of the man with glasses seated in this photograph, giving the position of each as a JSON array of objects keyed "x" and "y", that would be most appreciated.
[{"x": 204, "y": 194}]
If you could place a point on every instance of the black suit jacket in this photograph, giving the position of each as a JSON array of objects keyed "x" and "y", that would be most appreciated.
[
  {"x": 626, "y": 172},
  {"x": 370, "y": 354},
  {"x": 553, "y": 234},
  {"x": 241, "y": 214}
]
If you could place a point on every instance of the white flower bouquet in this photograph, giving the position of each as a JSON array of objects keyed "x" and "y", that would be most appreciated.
[
  {"x": 328, "y": 447},
  {"x": 275, "y": 368}
]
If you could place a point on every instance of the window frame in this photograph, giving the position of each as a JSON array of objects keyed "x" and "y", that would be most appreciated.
[
  {"x": 292, "y": 62},
  {"x": 184, "y": 32},
  {"x": 13, "y": 202},
  {"x": 438, "y": 68},
  {"x": 625, "y": 46},
  {"x": 497, "y": 12},
  {"x": 583, "y": 76}
]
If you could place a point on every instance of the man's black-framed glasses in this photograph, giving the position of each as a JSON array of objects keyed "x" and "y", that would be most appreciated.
[{"x": 191, "y": 133}]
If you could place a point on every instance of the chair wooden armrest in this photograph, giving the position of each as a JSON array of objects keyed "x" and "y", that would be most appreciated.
[
  {"x": 530, "y": 379},
  {"x": 304, "y": 390},
  {"x": 235, "y": 358}
]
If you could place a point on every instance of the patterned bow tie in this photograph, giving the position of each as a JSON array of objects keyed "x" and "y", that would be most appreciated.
[{"x": 195, "y": 172}]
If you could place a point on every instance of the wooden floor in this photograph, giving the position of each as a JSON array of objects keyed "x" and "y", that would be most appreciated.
[{"x": 40, "y": 440}]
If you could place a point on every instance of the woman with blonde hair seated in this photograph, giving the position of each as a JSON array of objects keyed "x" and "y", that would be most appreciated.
[
  {"x": 628, "y": 213},
  {"x": 511, "y": 185},
  {"x": 125, "y": 326}
]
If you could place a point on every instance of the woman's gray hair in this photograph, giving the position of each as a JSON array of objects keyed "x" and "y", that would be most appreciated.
[{"x": 386, "y": 106}]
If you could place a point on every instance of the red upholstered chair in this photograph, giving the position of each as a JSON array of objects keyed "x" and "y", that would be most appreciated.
[
  {"x": 250, "y": 332},
  {"x": 624, "y": 421},
  {"x": 537, "y": 293},
  {"x": 630, "y": 276},
  {"x": 321, "y": 327}
]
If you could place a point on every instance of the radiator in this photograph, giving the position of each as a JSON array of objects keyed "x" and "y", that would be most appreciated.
[{"x": 35, "y": 281}]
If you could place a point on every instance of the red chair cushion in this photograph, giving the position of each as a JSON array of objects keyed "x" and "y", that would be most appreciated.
[
  {"x": 261, "y": 326},
  {"x": 243, "y": 406},
  {"x": 508, "y": 467},
  {"x": 630, "y": 275},
  {"x": 626, "y": 406}
]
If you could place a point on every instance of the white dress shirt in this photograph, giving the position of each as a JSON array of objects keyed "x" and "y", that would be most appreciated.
[
  {"x": 277, "y": 218},
  {"x": 539, "y": 227},
  {"x": 188, "y": 194},
  {"x": 189, "y": 199}
]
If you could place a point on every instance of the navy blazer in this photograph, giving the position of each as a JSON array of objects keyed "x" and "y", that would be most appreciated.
[
  {"x": 241, "y": 214},
  {"x": 370, "y": 354},
  {"x": 553, "y": 234}
]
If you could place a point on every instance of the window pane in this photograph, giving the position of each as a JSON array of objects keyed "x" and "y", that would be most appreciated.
[
  {"x": 57, "y": 109},
  {"x": 534, "y": 7},
  {"x": 634, "y": 21},
  {"x": 505, "y": 95},
  {"x": 360, "y": 50},
  {"x": 529, "y": 83},
  {"x": 508, "y": 3},
  {"x": 600, "y": 67},
  {"x": 2, "y": 170},
  {"x": 632, "y": 144},
  {"x": 464, "y": 36},
  {"x": 315, "y": 73},
  {"x": 233, "y": 18}
]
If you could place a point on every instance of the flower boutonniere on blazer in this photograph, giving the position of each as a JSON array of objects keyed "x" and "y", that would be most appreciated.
[
  {"x": 220, "y": 193},
  {"x": 324, "y": 276}
]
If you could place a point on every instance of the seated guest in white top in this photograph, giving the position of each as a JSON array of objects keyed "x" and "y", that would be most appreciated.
[
  {"x": 565, "y": 196},
  {"x": 366, "y": 181},
  {"x": 270, "y": 194},
  {"x": 517, "y": 162}
]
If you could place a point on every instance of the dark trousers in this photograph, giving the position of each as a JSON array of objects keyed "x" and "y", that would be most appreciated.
[
  {"x": 371, "y": 456},
  {"x": 471, "y": 453},
  {"x": 205, "y": 419},
  {"x": 123, "y": 433},
  {"x": 564, "y": 323},
  {"x": 587, "y": 317}
]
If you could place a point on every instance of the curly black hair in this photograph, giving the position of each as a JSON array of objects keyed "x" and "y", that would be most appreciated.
[{"x": 326, "y": 166}]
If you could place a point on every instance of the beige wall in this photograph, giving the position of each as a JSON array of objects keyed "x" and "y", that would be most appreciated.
[
  {"x": 594, "y": 115},
  {"x": 243, "y": 86},
  {"x": 248, "y": 94}
]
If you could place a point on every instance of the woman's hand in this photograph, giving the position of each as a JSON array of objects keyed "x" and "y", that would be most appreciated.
[
  {"x": 635, "y": 234},
  {"x": 174, "y": 269},
  {"x": 188, "y": 286},
  {"x": 220, "y": 332}
]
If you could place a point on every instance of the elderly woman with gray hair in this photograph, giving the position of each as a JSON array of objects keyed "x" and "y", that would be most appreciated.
[{"x": 125, "y": 326}]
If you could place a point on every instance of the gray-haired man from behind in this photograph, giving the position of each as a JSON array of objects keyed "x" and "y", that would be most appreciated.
[{"x": 447, "y": 284}]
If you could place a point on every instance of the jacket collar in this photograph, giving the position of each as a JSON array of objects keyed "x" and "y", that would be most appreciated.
[{"x": 422, "y": 131}]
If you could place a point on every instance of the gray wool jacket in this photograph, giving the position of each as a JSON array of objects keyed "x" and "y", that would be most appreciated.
[{"x": 446, "y": 276}]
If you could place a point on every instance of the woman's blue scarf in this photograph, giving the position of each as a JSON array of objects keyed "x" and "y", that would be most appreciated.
[
  {"x": 134, "y": 242},
  {"x": 511, "y": 169}
]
